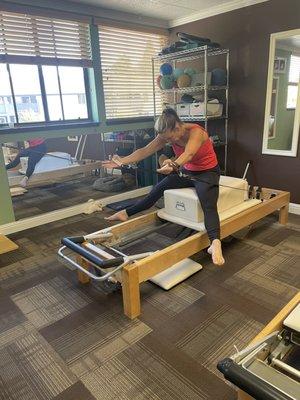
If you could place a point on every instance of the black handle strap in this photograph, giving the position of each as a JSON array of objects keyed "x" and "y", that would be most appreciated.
[{"x": 73, "y": 243}]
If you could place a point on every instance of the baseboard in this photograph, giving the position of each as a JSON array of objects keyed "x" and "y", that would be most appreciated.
[
  {"x": 294, "y": 208},
  {"x": 57, "y": 215}
]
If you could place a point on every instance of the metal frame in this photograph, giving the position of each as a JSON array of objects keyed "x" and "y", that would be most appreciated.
[
  {"x": 113, "y": 271},
  {"x": 192, "y": 54},
  {"x": 196, "y": 54}
]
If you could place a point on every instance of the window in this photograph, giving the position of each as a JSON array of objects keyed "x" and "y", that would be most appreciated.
[
  {"x": 23, "y": 89},
  {"x": 63, "y": 97},
  {"x": 43, "y": 68},
  {"x": 293, "y": 80},
  {"x": 127, "y": 71},
  {"x": 65, "y": 87},
  {"x": 72, "y": 85},
  {"x": 6, "y": 109}
]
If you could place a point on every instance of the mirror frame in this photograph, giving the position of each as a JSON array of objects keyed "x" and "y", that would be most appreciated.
[{"x": 294, "y": 148}]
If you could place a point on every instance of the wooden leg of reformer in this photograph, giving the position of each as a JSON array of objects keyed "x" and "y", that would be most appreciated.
[
  {"x": 244, "y": 396},
  {"x": 131, "y": 292},
  {"x": 284, "y": 214},
  {"x": 82, "y": 277}
]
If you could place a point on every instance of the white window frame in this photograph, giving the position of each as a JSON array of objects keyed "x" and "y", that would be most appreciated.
[{"x": 294, "y": 147}]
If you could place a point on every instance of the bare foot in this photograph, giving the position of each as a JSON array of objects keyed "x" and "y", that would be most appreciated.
[
  {"x": 24, "y": 182},
  {"x": 216, "y": 252},
  {"x": 118, "y": 216}
]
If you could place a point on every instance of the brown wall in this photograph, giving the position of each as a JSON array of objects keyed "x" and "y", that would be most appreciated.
[{"x": 246, "y": 32}]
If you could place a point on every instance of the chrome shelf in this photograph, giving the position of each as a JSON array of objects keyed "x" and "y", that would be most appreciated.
[
  {"x": 208, "y": 118},
  {"x": 193, "y": 89},
  {"x": 192, "y": 54},
  {"x": 197, "y": 53}
]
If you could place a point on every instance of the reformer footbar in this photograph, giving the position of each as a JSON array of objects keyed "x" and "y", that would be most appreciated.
[{"x": 111, "y": 258}]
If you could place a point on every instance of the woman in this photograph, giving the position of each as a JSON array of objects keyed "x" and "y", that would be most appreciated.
[
  {"x": 195, "y": 155},
  {"x": 35, "y": 151}
]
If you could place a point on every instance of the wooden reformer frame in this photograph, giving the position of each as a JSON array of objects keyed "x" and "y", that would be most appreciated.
[{"x": 132, "y": 275}]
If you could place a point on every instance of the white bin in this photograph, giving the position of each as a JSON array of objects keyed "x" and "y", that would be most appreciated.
[
  {"x": 213, "y": 109},
  {"x": 183, "y": 110}
]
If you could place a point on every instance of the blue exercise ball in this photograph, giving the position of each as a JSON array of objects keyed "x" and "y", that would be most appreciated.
[
  {"x": 167, "y": 82},
  {"x": 166, "y": 69},
  {"x": 178, "y": 72},
  {"x": 218, "y": 77}
]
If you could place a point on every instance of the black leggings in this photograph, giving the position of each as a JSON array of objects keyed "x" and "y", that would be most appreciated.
[
  {"x": 207, "y": 188},
  {"x": 34, "y": 155}
]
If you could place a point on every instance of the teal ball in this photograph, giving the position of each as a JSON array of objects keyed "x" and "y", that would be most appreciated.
[
  {"x": 167, "y": 82},
  {"x": 178, "y": 72},
  {"x": 190, "y": 71},
  {"x": 218, "y": 77}
]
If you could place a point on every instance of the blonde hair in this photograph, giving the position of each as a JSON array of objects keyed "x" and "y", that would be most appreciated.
[{"x": 167, "y": 121}]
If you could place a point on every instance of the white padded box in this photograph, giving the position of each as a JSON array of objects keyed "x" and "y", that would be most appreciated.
[
  {"x": 213, "y": 109},
  {"x": 292, "y": 321},
  {"x": 184, "y": 203}
]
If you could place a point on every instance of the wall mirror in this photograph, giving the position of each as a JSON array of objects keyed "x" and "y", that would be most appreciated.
[{"x": 282, "y": 112}]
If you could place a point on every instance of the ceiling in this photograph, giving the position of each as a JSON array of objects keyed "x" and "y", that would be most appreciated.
[{"x": 176, "y": 12}]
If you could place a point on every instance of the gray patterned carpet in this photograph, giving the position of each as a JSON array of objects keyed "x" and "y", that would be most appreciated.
[{"x": 61, "y": 340}]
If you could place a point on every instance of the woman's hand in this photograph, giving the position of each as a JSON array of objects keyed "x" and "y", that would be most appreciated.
[
  {"x": 166, "y": 169},
  {"x": 167, "y": 161},
  {"x": 115, "y": 162}
]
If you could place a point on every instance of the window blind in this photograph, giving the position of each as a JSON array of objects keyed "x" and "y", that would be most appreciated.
[
  {"x": 294, "y": 71},
  {"x": 43, "y": 40},
  {"x": 127, "y": 71}
]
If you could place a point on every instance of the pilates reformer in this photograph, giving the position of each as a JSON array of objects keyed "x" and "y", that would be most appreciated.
[
  {"x": 54, "y": 167},
  {"x": 100, "y": 256},
  {"x": 269, "y": 368}
]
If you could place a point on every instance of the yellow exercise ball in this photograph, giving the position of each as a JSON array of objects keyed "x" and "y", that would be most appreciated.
[{"x": 184, "y": 81}]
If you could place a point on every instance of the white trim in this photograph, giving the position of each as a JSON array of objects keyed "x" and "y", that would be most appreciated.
[
  {"x": 57, "y": 215},
  {"x": 211, "y": 11},
  {"x": 294, "y": 208},
  {"x": 294, "y": 148},
  {"x": 277, "y": 80}
]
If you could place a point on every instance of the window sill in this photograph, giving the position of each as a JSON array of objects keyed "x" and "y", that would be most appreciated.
[
  {"x": 47, "y": 127},
  {"x": 119, "y": 121}
]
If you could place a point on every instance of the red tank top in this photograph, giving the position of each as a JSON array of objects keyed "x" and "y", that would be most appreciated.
[
  {"x": 204, "y": 159},
  {"x": 35, "y": 142}
]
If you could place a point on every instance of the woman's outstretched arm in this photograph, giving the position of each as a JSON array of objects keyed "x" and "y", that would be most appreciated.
[{"x": 155, "y": 145}]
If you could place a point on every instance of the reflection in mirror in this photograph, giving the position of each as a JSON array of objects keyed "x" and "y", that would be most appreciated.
[
  {"x": 282, "y": 125},
  {"x": 48, "y": 175}
]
